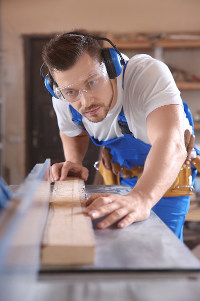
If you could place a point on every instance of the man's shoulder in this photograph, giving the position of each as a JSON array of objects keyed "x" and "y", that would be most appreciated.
[
  {"x": 141, "y": 60},
  {"x": 141, "y": 57},
  {"x": 143, "y": 64}
]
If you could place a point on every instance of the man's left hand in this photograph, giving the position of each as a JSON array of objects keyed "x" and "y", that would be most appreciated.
[{"x": 123, "y": 209}]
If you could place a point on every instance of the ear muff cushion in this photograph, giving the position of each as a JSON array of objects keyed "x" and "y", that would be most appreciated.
[
  {"x": 49, "y": 82},
  {"x": 116, "y": 61},
  {"x": 109, "y": 63},
  {"x": 112, "y": 61}
]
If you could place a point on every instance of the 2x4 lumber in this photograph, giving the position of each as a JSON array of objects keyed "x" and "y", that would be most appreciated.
[{"x": 69, "y": 236}]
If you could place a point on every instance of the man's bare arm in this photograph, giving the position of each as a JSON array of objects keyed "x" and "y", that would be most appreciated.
[
  {"x": 74, "y": 149},
  {"x": 168, "y": 153}
]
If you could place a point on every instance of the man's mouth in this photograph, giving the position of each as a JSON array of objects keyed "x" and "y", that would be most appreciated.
[{"x": 92, "y": 111}]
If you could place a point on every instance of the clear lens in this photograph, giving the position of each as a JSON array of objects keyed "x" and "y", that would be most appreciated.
[
  {"x": 72, "y": 94},
  {"x": 95, "y": 84}
]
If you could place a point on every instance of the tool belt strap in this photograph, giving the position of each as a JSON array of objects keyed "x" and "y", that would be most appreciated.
[{"x": 112, "y": 172}]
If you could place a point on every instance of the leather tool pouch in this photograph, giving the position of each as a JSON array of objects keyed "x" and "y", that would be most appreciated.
[{"x": 111, "y": 174}]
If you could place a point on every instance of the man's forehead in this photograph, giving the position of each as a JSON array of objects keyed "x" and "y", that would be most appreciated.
[
  {"x": 68, "y": 79},
  {"x": 83, "y": 67}
]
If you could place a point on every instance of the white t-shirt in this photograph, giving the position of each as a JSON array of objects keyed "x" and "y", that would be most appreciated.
[{"x": 148, "y": 84}]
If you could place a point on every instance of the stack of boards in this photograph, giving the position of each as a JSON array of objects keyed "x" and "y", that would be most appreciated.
[{"x": 69, "y": 235}]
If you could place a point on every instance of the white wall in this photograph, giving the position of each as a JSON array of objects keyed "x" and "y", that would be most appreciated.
[{"x": 35, "y": 16}]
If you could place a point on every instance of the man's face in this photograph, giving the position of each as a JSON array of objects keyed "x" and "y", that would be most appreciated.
[{"x": 87, "y": 87}]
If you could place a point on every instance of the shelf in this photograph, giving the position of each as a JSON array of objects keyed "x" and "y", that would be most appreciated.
[
  {"x": 188, "y": 85},
  {"x": 172, "y": 43},
  {"x": 134, "y": 45},
  {"x": 197, "y": 126},
  {"x": 164, "y": 43}
]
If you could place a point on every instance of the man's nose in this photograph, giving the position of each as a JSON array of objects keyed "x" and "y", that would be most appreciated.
[{"x": 85, "y": 98}]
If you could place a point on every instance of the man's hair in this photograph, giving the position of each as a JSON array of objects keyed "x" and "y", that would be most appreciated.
[{"x": 63, "y": 51}]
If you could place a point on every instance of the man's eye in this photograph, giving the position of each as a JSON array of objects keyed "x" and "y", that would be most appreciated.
[
  {"x": 92, "y": 83},
  {"x": 69, "y": 92}
]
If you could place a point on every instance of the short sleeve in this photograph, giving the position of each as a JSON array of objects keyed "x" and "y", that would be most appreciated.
[
  {"x": 64, "y": 118},
  {"x": 157, "y": 87},
  {"x": 149, "y": 85}
]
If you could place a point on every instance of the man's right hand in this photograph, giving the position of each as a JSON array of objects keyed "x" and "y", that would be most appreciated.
[{"x": 60, "y": 171}]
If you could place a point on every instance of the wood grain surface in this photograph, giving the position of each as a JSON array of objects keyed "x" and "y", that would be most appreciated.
[{"x": 69, "y": 236}]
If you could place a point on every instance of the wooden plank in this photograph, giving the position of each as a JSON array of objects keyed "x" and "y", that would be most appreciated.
[{"x": 69, "y": 236}]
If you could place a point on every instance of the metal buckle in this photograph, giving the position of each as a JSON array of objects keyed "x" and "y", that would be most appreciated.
[{"x": 96, "y": 165}]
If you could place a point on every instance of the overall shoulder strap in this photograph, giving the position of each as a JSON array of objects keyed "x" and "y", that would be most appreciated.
[
  {"x": 124, "y": 74},
  {"x": 188, "y": 115},
  {"x": 123, "y": 123},
  {"x": 121, "y": 118},
  {"x": 77, "y": 118}
]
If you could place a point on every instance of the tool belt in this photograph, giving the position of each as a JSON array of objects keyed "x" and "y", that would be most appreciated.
[{"x": 111, "y": 173}]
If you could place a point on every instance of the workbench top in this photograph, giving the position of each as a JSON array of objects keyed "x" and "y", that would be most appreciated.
[
  {"x": 143, "y": 262},
  {"x": 147, "y": 245}
]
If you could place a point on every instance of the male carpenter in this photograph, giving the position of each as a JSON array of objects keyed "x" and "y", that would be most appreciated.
[{"x": 86, "y": 92}]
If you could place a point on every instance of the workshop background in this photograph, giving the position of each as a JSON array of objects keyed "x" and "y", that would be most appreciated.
[
  {"x": 24, "y": 26},
  {"x": 28, "y": 128}
]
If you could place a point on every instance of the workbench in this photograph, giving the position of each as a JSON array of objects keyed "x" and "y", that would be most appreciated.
[{"x": 144, "y": 261}]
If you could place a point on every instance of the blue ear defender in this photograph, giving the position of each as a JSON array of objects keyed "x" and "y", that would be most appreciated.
[
  {"x": 113, "y": 62},
  {"x": 116, "y": 61},
  {"x": 48, "y": 81},
  {"x": 49, "y": 86},
  {"x": 112, "y": 58}
]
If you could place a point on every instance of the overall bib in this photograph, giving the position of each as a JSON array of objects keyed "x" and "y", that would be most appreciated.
[{"x": 129, "y": 151}]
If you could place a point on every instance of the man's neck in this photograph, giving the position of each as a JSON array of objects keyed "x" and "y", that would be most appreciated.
[{"x": 115, "y": 94}]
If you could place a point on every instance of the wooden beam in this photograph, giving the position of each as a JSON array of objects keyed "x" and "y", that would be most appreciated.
[{"x": 69, "y": 236}]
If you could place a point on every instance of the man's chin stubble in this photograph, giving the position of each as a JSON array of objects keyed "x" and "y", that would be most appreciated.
[{"x": 98, "y": 119}]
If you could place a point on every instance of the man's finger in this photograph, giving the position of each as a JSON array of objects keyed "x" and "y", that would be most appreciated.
[
  {"x": 84, "y": 173},
  {"x": 190, "y": 147},
  {"x": 191, "y": 143},
  {"x": 64, "y": 171},
  {"x": 113, "y": 218},
  {"x": 56, "y": 171},
  {"x": 95, "y": 196},
  {"x": 51, "y": 176},
  {"x": 131, "y": 218},
  {"x": 99, "y": 202},
  {"x": 187, "y": 138},
  {"x": 104, "y": 210}
]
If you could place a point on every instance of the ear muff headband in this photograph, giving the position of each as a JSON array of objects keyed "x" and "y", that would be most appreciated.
[{"x": 112, "y": 57}]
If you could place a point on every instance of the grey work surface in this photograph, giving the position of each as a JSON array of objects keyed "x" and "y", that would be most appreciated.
[
  {"x": 132, "y": 286},
  {"x": 146, "y": 245},
  {"x": 144, "y": 262}
]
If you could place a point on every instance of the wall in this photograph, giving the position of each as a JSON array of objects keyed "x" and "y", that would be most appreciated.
[{"x": 20, "y": 17}]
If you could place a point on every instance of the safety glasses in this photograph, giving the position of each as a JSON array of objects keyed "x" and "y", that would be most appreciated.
[{"x": 94, "y": 83}]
